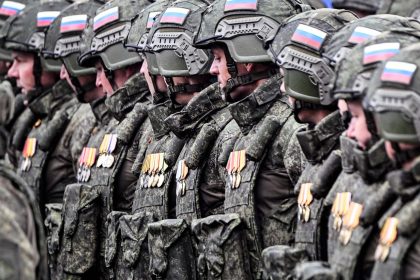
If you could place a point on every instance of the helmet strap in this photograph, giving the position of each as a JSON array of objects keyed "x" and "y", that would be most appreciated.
[
  {"x": 182, "y": 88},
  {"x": 401, "y": 156},
  {"x": 37, "y": 71},
  {"x": 110, "y": 76},
  {"x": 301, "y": 105},
  {"x": 81, "y": 90}
]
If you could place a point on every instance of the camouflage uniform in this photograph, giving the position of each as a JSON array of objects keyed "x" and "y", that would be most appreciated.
[
  {"x": 23, "y": 248},
  {"x": 397, "y": 244},
  {"x": 105, "y": 186}
]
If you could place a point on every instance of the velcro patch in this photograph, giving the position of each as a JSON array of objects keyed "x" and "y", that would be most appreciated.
[
  {"x": 44, "y": 19},
  {"x": 73, "y": 23},
  {"x": 151, "y": 19},
  {"x": 398, "y": 72},
  {"x": 233, "y": 5},
  {"x": 309, "y": 36},
  {"x": 361, "y": 34},
  {"x": 105, "y": 17},
  {"x": 380, "y": 52},
  {"x": 11, "y": 8},
  {"x": 175, "y": 15}
]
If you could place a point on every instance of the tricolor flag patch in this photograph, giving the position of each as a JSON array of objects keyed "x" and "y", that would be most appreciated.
[
  {"x": 105, "y": 17},
  {"x": 398, "y": 72},
  {"x": 380, "y": 52},
  {"x": 46, "y": 18},
  {"x": 309, "y": 36},
  {"x": 73, "y": 23},
  {"x": 232, "y": 5},
  {"x": 151, "y": 19},
  {"x": 361, "y": 34},
  {"x": 174, "y": 15},
  {"x": 11, "y": 8}
]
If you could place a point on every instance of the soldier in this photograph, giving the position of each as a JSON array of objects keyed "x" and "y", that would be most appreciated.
[
  {"x": 265, "y": 161},
  {"x": 11, "y": 106},
  {"x": 206, "y": 127},
  {"x": 23, "y": 248},
  {"x": 360, "y": 7},
  {"x": 392, "y": 97},
  {"x": 307, "y": 79},
  {"x": 361, "y": 197},
  {"x": 62, "y": 41},
  {"x": 105, "y": 181}
]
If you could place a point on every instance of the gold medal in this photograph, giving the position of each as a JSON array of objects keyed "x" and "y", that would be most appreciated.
[
  {"x": 350, "y": 221},
  {"x": 389, "y": 234}
]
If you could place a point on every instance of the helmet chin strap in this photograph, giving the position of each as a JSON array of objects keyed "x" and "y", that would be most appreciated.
[
  {"x": 182, "y": 88},
  {"x": 301, "y": 105},
  {"x": 110, "y": 76},
  {"x": 81, "y": 90},
  {"x": 403, "y": 156},
  {"x": 236, "y": 80},
  {"x": 37, "y": 72}
]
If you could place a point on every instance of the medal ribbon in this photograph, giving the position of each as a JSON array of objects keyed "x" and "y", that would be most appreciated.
[
  {"x": 112, "y": 143},
  {"x": 389, "y": 231},
  {"x": 351, "y": 219}
]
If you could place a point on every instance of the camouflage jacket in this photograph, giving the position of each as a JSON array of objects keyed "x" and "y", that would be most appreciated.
[
  {"x": 22, "y": 234},
  {"x": 7, "y": 100},
  {"x": 209, "y": 129},
  {"x": 50, "y": 168},
  {"x": 114, "y": 142},
  {"x": 273, "y": 164},
  {"x": 321, "y": 148}
]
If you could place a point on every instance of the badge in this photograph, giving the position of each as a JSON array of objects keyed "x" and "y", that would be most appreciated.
[
  {"x": 340, "y": 208},
  {"x": 28, "y": 152},
  {"x": 236, "y": 163},
  {"x": 305, "y": 198},
  {"x": 181, "y": 175},
  {"x": 102, "y": 150},
  {"x": 389, "y": 234},
  {"x": 350, "y": 222}
]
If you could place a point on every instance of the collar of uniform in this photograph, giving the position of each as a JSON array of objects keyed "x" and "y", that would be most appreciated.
[
  {"x": 403, "y": 183},
  {"x": 39, "y": 105},
  {"x": 157, "y": 115},
  {"x": 185, "y": 122},
  {"x": 100, "y": 110},
  {"x": 250, "y": 110},
  {"x": 372, "y": 164},
  {"x": 122, "y": 101},
  {"x": 318, "y": 143}
]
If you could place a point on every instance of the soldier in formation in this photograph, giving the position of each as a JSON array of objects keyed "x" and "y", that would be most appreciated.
[{"x": 209, "y": 139}]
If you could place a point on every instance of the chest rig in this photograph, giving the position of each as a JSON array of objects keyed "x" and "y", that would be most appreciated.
[
  {"x": 127, "y": 248},
  {"x": 203, "y": 120},
  {"x": 399, "y": 227}
]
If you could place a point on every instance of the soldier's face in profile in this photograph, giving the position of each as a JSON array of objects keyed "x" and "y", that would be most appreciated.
[
  {"x": 358, "y": 128},
  {"x": 219, "y": 66},
  {"x": 160, "y": 82},
  {"x": 22, "y": 70}
]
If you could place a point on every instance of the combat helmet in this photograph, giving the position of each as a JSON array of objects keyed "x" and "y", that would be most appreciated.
[
  {"x": 8, "y": 9},
  {"x": 365, "y": 6},
  {"x": 25, "y": 32},
  {"x": 394, "y": 99},
  {"x": 63, "y": 37},
  {"x": 355, "y": 70},
  {"x": 405, "y": 8},
  {"x": 104, "y": 38},
  {"x": 244, "y": 28},
  {"x": 171, "y": 41},
  {"x": 298, "y": 47}
]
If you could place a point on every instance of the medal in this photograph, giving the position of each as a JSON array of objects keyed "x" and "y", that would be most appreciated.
[
  {"x": 305, "y": 198},
  {"x": 241, "y": 165},
  {"x": 38, "y": 123},
  {"x": 389, "y": 234},
  {"x": 111, "y": 149},
  {"x": 229, "y": 168},
  {"x": 102, "y": 150},
  {"x": 181, "y": 175},
  {"x": 350, "y": 222},
  {"x": 340, "y": 208},
  {"x": 81, "y": 163},
  {"x": 28, "y": 152}
]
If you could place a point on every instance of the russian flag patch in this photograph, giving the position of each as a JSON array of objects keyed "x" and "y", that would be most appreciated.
[
  {"x": 151, "y": 19},
  {"x": 174, "y": 15},
  {"x": 361, "y": 34},
  {"x": 398, "y": 72},
  {"x": 105, "y": 17},
  {"x": 11, "y": 8},
  {"x": 380, "y": 52},
  {"x": 44, "y": 19},
  {"x": 233, "y": 5},
  {"x": 73, "y": 23},
  {"x": 309, "y": 36}
]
